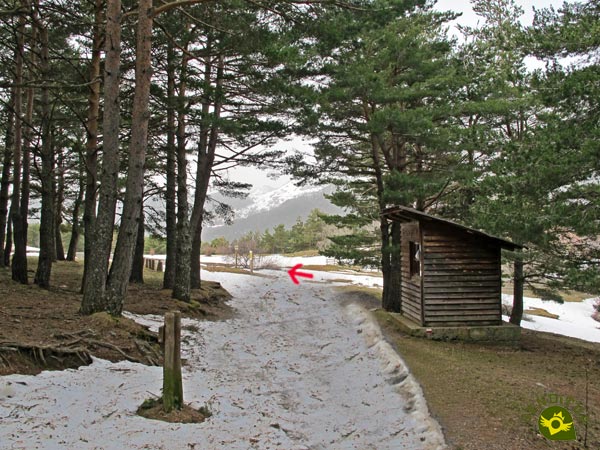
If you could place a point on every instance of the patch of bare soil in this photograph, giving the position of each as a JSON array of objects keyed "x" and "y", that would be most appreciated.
[
  {"x": 486, "y": 397},
  {"x": 230, "y": 268},
  {"x": 43, "y": 330},
  {"x": 153, "y": 409}
]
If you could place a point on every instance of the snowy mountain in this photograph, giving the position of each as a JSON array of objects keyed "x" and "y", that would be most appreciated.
[{"x": 268, "y": 206}]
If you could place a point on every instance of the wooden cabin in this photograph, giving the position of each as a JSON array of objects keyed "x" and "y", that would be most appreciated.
[{"x": 451, "y": 274}]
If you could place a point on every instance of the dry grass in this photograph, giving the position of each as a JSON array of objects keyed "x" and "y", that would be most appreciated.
[
  {"x": 567, "y": 296},
  {"x": 481, "y": 394},
  {"x": 375, "y": 293},
  {"x": 304, "y": 253},
  {"x": 215, "y": 267},
  {"x": 540, "y": 312}
]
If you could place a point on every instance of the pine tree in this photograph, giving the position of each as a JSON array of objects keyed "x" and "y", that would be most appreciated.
[{"x": 383, "y": 123}]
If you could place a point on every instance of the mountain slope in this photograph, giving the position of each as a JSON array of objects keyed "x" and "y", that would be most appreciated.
[{"x": 265, "y": 209}]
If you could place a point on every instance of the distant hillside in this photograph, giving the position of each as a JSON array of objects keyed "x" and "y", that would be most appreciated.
[{"x": 269, "y": 209}]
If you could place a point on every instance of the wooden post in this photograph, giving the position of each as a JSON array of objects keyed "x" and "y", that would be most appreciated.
[
  {"x": 159, "y": 267},
  {"x": 172, "y": 384},
  {"x": 251, "y": 262}
]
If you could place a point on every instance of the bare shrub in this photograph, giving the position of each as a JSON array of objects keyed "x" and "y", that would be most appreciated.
[{"x": 261, "y": 262}]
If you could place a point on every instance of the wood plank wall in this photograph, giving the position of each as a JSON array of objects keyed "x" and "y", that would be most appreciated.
[
  {"x": 462, "y": 278},
  {"x": 411, "y": 286}
]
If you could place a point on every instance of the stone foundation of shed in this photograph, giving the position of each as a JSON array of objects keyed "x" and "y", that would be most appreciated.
[{"x": 505, "y": 334}]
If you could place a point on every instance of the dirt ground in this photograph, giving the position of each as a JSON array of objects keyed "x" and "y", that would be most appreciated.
[{"x": 42, "y": 329}]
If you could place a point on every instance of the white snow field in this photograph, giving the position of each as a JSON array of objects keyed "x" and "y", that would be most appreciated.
[
  {"x": 295, "y": 369},
  {"x": 574, "y": 318}
]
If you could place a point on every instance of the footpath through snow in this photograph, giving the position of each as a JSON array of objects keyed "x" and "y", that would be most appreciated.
[{"x": 295, "y": 369}]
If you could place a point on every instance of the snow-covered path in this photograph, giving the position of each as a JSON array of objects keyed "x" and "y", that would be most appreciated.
[{"x": 294, "y": 370}]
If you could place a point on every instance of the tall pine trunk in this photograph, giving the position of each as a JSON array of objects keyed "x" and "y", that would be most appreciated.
[
  {"x": 44, "y": 268},
  {"x": 387, "y": 298},
  {"x": 75, "y": 225},
  {"x": 28, "y": 131},
  {"x": 395, "y": 277},
  {"x": 100, "y": 240},
  {"x": 19, "y": 259},
  {"x": 181, "y": 288},
  {"x": 386, "y": 265},
  {"x": 6, "y": 166},
  {"x": 91, "y": 147},
  {"x": 171, "y": 188},
  {"x": 206, "y": 157},
  {"x": 120, "y": 270},
  {"x": 27, "y": 150},
  {"x": 516, "y": 314},
  {"x": 137, "y": 267},
  {"x": 8, "y": 245},
  {"x": 58, "y": 209}
]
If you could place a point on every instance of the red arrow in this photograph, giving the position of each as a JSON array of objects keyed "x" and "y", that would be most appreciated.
[{"x": 294, "y": 274}]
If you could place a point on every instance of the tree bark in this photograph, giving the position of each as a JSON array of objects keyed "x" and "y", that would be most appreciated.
[
  {"x": 171, "y": 208},
  {"x": 19, "y": 259},
  {"x": 206, "y": 157},
  {"x": 91, "y": 147},
  {"x": 58, "y": 208},
  {"x": 28, "y": 130},
  {"x": 44, "y": 268},
  {"x": 395, "y": 278},
  {"x": 8, "y": 245},
  {"x": 181, "y": 288},
  {"x": 386, "y": 265},
  {"x": 75, "y": 225},
  {"x": 137, "y": 269},
  {"x": 5, "y": 182},
  {"x": 387, "y": 297},
  {"x": 100, "y": 240},
  {"x": 120, "y": 270},
  {"x": 516, "y": 314}
]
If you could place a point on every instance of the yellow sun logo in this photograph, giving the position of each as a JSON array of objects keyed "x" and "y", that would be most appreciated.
[{"x": 556, "y": 424}]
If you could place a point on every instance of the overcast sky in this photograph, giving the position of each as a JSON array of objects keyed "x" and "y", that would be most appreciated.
[
  {"x": 469, "y": 18},
  {"x": 259, "y": 178}
]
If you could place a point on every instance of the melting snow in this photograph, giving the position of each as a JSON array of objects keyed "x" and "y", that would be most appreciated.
[
  {"x": 574, "y": 318},
  {"x": 294, "y": 370}
]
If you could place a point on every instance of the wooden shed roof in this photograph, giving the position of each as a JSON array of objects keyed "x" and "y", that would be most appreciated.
[{"x": 405, "y": 214}]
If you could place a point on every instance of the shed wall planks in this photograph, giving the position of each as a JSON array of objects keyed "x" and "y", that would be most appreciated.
[{"x": 461, "y": 278}]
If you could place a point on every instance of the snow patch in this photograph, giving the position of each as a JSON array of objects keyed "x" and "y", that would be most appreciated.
[{"x": 574, "y": 318}]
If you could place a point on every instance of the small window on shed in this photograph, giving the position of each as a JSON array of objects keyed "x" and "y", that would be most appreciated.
[{"x": 415, "y": 259}]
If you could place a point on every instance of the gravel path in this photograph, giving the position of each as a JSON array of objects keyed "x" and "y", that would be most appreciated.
[{"x": 295, "y": 369}]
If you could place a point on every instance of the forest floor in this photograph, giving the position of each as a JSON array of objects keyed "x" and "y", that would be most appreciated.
[{"x": 41, "y": 329}]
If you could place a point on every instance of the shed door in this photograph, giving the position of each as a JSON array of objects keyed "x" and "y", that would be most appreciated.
[{"x": 412, "y": 271}]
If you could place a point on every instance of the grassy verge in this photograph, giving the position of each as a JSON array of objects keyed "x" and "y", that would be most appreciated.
[{"x": 482, "y": 394}]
